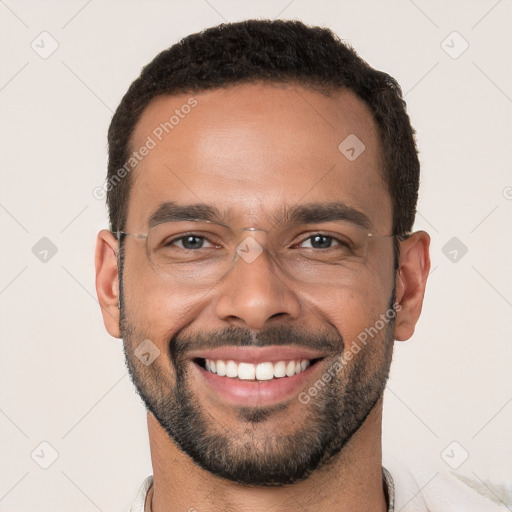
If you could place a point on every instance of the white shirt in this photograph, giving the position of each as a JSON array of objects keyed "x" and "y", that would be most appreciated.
[{"x": 429, "y": 492}]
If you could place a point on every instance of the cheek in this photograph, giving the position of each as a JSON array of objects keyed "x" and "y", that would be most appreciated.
[
  {"x": 356, "y": 310},
  {"x": 152, "y": 304},
  {"x": 357, "y": 322},
  {"x": 148, "y": 305}
]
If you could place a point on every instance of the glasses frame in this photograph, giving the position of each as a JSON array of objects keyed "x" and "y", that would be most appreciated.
[
  {"x": 141, "y": 236},
  {"x": 119, "y": 234}
]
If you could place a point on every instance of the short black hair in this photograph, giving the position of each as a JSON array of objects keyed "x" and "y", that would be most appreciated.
[{"x": 277, "y": 51}]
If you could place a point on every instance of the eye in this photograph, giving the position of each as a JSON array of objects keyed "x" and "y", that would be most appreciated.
[
  {"x": 191, "y": 242},
  {"x": 319, "y": 241}
]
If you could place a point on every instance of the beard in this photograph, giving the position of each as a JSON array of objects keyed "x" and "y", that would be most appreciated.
[{"x": 253, "y": 453}]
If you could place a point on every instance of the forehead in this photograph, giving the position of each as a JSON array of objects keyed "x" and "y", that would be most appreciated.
[{"x": 256, "y": 148}]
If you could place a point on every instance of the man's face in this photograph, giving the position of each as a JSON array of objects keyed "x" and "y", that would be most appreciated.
[{"x": 254, "y": 152}]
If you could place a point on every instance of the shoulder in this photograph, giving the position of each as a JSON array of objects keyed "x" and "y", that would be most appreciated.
[
  {"x": 140, "y": 499},
  {"x": 420, "y": 487}
]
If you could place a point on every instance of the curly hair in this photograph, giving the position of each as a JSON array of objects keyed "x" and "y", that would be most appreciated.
[{"x": 278, "y": 51}]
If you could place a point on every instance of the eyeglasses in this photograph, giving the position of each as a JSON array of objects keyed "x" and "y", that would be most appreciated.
[{"x": 202, "y": 253}]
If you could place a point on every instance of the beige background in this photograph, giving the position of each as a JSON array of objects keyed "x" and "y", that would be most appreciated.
[{"x": 63, "y": 379}]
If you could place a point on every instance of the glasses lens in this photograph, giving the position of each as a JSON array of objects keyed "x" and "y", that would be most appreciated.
[
  {"x": 194, "y": 257},
  {"x": 203, "y": 255},
  {"x": 326, "y": 258}
]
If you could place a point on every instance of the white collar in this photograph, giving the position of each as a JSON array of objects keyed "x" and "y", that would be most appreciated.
[{"x": 140, "y": 500}]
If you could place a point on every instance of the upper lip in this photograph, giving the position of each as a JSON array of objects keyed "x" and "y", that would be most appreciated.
[{"x": 256, "y": 355}]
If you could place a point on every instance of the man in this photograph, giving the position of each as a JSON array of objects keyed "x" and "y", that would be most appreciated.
[{"x": 262, "y": 188}]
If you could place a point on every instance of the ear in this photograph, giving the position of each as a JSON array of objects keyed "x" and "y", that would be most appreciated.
[
  {"x": 414, "y": 266},
  {"x": 107, "y": 280}
]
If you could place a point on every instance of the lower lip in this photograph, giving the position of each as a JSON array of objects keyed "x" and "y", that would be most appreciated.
[{"x": 254, "y": 392}]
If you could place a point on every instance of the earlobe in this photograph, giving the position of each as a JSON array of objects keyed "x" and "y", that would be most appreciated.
[
  {"x": 107, "y": 280},
  {"x": 411, "y": 281}
]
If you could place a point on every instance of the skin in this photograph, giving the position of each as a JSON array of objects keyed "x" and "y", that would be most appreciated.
[{"x": 254, "y": 148}]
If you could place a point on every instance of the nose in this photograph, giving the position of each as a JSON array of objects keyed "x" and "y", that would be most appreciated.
[{"x": 254, "y": 294}]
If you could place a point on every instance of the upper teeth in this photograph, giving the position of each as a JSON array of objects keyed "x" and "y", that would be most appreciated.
[{"x": 261, "y": 371}]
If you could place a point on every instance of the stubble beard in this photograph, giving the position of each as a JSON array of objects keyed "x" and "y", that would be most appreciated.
[{"x": 253, "y": 454}]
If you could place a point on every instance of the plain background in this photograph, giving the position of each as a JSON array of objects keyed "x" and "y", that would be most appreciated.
[{"x": 63, "y": 378}]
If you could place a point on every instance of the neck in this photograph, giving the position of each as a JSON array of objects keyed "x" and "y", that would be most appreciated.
[{"x": 351, "y": 481}]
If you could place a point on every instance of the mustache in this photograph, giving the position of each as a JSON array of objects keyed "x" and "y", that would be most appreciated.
[{"x": 328, "y": 343}]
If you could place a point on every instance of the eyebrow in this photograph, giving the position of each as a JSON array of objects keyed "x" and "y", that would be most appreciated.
[
  {"x": 170, "y": 211},
  {"x": 325, "y": 212},
  {"x": 310, "y": 213}
]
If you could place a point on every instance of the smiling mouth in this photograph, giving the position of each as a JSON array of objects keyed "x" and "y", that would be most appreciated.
[{"x": 263, "y": 371}]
